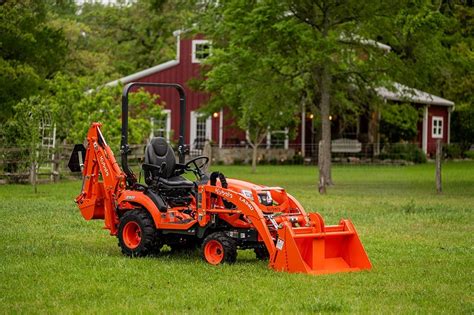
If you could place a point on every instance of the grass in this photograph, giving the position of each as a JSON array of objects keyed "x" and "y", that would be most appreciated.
[{"x": 420, "y": 244}]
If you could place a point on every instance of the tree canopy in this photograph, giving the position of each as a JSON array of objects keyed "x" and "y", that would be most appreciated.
[{"x": 269, "y": 58}]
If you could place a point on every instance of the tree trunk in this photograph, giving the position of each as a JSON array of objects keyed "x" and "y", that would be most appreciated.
[
  {"x": 254, "y": 143},
  {"x": 324, "y": 161},
  {"x": 254, "y": 158},
  {"x": 33, "y": 176}
]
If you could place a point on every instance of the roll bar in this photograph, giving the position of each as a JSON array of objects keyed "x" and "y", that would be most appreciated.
[{"x": 124, "y": 147}]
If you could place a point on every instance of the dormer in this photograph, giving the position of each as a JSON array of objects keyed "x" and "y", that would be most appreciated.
[{"x": 191, "y": 50}]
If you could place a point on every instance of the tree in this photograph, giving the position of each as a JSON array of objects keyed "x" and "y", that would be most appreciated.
[
  {"x": 132, "y": 36},
  {"x": 463, "y": 125},
  {"x": 434, "y": 43},
  {"x": 244, "y": 72},
  {"x": 309, "y": 44},
  {"x": 399, "y": 122},
  {"x": 32, "y": 51},
  {"x": 75, "y": 109},
  {"x": 24, "y": 130},
  {"x": 72, "y": 109},
  {"x": 340, "y": 54}
]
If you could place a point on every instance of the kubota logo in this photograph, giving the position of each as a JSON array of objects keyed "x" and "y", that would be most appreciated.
[
  {"x": 106, "y": 170},
  {"x": 223, "y": 193}
]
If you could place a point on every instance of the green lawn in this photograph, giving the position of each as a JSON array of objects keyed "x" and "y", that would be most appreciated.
[{"x": 420, "y": 244}]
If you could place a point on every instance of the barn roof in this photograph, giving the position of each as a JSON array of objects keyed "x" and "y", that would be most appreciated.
[
  {"x": 402, "y": 93},
  {"x": 399, "y": 92},
  {"x": 143, "y": 73}
]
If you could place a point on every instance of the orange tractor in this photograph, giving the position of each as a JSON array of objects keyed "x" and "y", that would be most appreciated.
[{"x": 217, "y": 214}]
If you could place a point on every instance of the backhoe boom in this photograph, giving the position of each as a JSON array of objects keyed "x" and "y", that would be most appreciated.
[{"x": 103, "y": 180}]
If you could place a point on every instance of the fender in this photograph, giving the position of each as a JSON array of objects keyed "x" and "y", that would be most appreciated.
[
  {"x": 247, "y": 206},
  {"x": 157, "y": 200},
  {"x": 138, "y": 197}
]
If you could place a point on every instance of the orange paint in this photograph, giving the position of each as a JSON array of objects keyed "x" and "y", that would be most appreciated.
[{"x": 295, "y": 240}]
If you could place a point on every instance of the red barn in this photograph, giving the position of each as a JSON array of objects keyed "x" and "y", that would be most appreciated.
[
  {"x": 218, "y": 128},
  {"x": 189, "y": 53},
  {"x": 436, "y": 121}
]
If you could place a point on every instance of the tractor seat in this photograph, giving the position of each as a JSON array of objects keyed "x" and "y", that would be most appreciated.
[
  {"x": 158, "y": 152},
  {"x": 176, "y": 182}
]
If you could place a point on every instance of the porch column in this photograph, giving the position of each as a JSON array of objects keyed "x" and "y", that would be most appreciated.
[
  {"x": 303, "y": 129},
  {"x": 269, "y": 139},
  {"x": 221, "y": 128},
  {"x": 377, "y": 133},
  {"x": 424, "y": 131},
  {"x": 449, "y": 124}
]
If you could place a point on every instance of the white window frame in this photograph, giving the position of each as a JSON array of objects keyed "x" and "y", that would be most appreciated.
[
  {"x": 193, "y": 130},
  {"x": 199, "y": 42},
  {"x": 286, "y": 142},
  {"x": 437, "y": 131},
  {"x": 166, "y": 112}
]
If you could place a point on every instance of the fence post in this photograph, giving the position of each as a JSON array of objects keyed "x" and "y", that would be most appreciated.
[
  {"x": 55, "y": 171},
  {"x": 439, "y": 156},
  {"x": 33, "y": 170}
]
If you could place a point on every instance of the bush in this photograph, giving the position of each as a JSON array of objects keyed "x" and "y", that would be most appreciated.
[
  {"x": 238, "y": 162},
  {"x": 273, "y": 161},
  {"x": 452, "y": 151},
  {"x": 298, "y": 159},
  {"x": 399, "y": 122},
  {"x": 403, "y": 151},
  {"x": 469, "y": 154}
]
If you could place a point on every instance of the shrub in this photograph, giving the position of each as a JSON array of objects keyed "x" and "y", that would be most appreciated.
[
  {"x": 452, "y": 151},
  {"x": 273, "y": 161},
  {"x": 403, "y": 151},
  {"x": 238, "y": 162},
  {"x": 469, "y": 154},
  {"x": 298, "y": 159},
  {"x": 399, "y": 122}
]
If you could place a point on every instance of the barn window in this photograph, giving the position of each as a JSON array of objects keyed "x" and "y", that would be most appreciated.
[
  {"x": 437, "y": 127},
  {"x": 161, "y": 127},
  {"x": 201, "y": 130},
  {"x": 201, "y": 50},
  {"x": 278, "y": 139}
]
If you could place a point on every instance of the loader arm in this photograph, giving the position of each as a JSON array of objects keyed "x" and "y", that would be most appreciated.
[
  {"x": 246, "y": 206},
  {"x": 303, "y": 243},
  {"x": 103, "y": 180}
]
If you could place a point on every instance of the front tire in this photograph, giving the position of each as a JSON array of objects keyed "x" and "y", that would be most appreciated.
[
  {"x": 137, "y": 234},
  {"x": 217, "y": 248}
]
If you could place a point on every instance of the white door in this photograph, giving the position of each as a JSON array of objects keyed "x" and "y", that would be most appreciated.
[{"x": 201, "y": 130}]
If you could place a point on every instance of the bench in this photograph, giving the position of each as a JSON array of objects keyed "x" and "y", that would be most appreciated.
[{"x": 344, "y": 145}]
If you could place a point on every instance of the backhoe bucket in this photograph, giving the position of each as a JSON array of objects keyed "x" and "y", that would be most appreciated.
[{"x": 319, "y": 249}]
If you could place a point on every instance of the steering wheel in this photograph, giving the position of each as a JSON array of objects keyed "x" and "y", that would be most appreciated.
[{"x": 199, "y": 163}]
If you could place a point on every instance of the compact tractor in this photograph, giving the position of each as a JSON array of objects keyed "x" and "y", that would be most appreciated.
[{"x": 218, "y": 214}]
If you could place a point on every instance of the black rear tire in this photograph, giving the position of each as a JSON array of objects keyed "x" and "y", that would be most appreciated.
[
  {"x": 218, "y": 248},
  {"x": 144, "y": 241}
]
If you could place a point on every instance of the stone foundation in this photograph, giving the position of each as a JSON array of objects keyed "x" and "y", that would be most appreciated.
[{"x": 238, "y": 155}]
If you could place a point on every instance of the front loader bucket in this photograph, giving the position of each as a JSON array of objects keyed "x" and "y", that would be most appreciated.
[{"x": 319, "y": 249}]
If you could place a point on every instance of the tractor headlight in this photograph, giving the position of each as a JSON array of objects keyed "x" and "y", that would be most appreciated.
[{"x": 265, "y": 198}]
